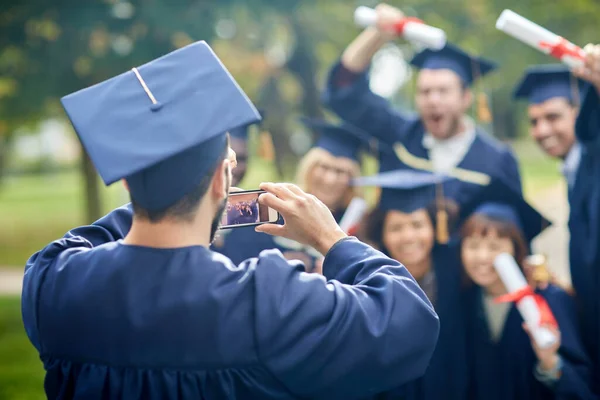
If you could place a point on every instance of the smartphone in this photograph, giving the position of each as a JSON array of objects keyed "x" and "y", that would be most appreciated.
[{"x": 243, "y": 209}]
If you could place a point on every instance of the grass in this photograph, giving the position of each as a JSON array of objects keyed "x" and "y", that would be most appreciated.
[
  {"x": 538, "y": 171},
  {"x": 21, "y": 371},
  {"x": 37, "y": 209}
]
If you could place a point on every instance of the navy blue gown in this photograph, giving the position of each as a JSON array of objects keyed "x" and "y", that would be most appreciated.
[
  {"x": 349, "y": 96},
  {"x": 584, "y": 226},
  {"x": 505, "y": 369},
  {"x": 243, "y": 243},
  {"x": 446, "y": 376},
  {"x": 114, "y": 321}
]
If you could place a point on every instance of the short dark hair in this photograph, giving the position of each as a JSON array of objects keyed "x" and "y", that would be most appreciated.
[{"x": 185, "y": 209}]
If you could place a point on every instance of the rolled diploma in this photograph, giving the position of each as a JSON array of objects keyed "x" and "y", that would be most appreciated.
[
  {"x": 354, "y": 213},
  {"x": 513, "y": 280},
  {"x": 532, "y": 34},
  {"x": 433, "y": 38}
]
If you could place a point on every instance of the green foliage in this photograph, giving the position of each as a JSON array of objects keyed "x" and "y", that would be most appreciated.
[{"x": 21, "y": 371}]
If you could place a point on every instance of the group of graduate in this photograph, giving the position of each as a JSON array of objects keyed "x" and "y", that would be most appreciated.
[
  {"x": 450, "y": 201},
  {"x": 139, "y": 305},
  {"x": 243, "y": 212}
]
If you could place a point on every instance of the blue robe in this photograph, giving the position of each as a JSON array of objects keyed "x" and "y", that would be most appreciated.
[
  {"x": 242, "y": 243},
  {"x": 505, "y": 369},
  {"x": 355, "y": 103},
  {"x": 131, "y": 322},
  {"x": 584, "y": 225},
  {"x": 447, "y": 375}
]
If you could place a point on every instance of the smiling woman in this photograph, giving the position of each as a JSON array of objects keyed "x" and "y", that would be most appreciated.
[
  {"x": 404, "y": 226},
  {"x": 327, "y": 170},
  {"x": 328, "y": 178}
]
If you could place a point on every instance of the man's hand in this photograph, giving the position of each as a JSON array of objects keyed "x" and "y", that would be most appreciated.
[
  {"x": 387, "y": 17},
  {"x": 307, "y": 219},
  {"x": 591, "y": 70}
]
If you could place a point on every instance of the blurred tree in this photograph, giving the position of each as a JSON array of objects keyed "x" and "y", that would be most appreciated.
[{"x": 278, "y": 50}]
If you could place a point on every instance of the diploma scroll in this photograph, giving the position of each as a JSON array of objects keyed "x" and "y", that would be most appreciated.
[
  {"x": 353, "y": 215},
  {"x": 540, "y": 38},
  {"x": 533, "y": 311},
  {"x": 411, "y": 29}
]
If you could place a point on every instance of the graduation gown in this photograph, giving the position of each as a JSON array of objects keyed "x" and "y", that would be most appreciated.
[
  {"x": 584, "y": 225},
  {"x": 131, "y": 322},
  {"x": 447, "y": 375},
  {"x": 349, "y": 96},
  {"x": 242, "y": 243},
  {"x": 505, "y": 369}
]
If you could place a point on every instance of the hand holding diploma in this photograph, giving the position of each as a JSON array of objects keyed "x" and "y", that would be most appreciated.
[
  {"x": 393, "y": 22},
  {"x": 353, "y": 215},
  {"x": 533, "y": 308},
  {"x": 590, "y": 70},
  {"x": 540, "y": 38}
]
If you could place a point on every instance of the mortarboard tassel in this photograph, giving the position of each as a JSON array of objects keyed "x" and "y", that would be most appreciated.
[
  {"x": 442, "y": 235},
  {"x": 266, "y": 149},
  {"x": 483, "y": 108},
  {"x": 541, "y": 274}
]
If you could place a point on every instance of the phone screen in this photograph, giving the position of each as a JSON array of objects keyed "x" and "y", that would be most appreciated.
[{"x": 243, "y": 209}]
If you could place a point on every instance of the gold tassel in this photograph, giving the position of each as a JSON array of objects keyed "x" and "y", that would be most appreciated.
[
  {"x": 541, "y": 274},
  {"x": 484, "y": 113},
  {"x": 266, "y": 149},
  {"x": 442, "y": 234}
]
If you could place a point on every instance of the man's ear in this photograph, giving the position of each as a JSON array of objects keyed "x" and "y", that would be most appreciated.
[
  {"x": 218, "y": 185},
  {"x": 125, "y": 184}
]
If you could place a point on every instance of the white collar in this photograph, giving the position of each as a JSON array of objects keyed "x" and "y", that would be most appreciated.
[
  {"x": 460, "y": 140},
  {"x": 571, "y": 162}
]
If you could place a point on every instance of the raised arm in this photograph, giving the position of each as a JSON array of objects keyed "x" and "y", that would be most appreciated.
[
  {"x": 335, "y": 340},
  {"x": 587, "y": 127},
  {"x": 347, "y": 91}
]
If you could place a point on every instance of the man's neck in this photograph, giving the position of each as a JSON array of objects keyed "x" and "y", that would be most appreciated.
[{"x": 167, "y": 234}]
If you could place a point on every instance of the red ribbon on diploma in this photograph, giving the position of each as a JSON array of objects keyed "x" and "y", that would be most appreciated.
[
  {"x": 546, "y": 315},
  {"x": 353, "y": 230},
  {"x": 400, "y": 25},
  {"x": 563, "y": 48}
]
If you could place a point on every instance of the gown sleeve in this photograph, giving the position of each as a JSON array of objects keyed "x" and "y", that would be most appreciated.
[
  {"x": 112, "y": 227},
  {"x": 367, "y": 329},
  {"x": 349, "y": 96},
  {"x": 576, "y": 373},
  {"x": 587, "y": 127}
]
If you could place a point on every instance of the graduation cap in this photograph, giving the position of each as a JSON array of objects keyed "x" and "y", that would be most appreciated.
[
  {"x": 408, "y": 191},
  {"x": 161, "y": 126},
  {"x": 468, "y": 68},
  {"x": 500, "y": 201},
  {"x": 543, "y": 82},
  {"x": 343, "y": 140}
]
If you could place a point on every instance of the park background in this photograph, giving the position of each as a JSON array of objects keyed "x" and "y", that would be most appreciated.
[{"x": 278, "y": 50}]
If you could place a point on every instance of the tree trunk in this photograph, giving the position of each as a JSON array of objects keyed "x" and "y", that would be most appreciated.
[
  {"x": 93, "y": 202},
  {"x": 303, "y": 65},
  {"x": 4, "y": 144},
  {"x": 270, "y": 98}
]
